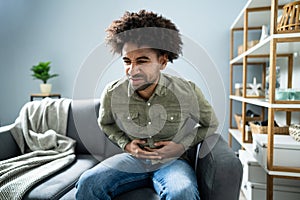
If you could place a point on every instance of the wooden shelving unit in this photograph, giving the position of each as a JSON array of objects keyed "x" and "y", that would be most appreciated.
[{"x": 255, "y": 14}]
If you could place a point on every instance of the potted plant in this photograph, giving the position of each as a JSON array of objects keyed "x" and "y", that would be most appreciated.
[{"x": 41, "y": 71}]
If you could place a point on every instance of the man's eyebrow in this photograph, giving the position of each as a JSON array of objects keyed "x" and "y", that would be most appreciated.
[{"x": 141, "y": 57}]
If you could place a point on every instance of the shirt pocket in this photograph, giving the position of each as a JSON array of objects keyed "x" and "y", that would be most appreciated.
[
  {"x": 171, "y": 121},
  {"x": 129, "y": 122}
]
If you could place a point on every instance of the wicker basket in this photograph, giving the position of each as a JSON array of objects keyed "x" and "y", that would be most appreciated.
[
  {"x": 294, "y": 131},
  {"x": 238, "y": 119},
  {"x": 284, "y": 130},
  {"x": 290, "y": 20}
]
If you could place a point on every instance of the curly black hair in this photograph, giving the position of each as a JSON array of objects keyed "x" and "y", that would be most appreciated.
[{"x": 145, "y": 28}]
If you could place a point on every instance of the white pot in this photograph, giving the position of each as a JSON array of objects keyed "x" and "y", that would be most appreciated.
[{"x": 45, "y": 88}]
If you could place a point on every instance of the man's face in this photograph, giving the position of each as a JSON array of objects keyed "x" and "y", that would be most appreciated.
[{"x": 142, "y": 65}]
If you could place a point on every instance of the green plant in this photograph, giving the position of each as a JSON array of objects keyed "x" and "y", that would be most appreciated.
[{"x": 41, "y": 71}]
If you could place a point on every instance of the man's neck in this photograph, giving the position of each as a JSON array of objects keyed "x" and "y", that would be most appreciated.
[{"x": 147, "y": 93}]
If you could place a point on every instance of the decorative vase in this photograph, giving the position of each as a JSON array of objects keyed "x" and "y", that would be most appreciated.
[
  {"x": 45, "y": 88},
  {"x": 277, "y": 85},
  {"x": 264, "y": 32}
]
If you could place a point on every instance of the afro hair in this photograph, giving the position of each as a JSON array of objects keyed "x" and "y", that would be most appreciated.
[{"x": 145, "y": 28}]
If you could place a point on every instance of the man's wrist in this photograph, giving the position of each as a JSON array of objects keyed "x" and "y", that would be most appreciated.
[
  {"x": 126, "y": 147},
  {"x": 123, "y": 144}
]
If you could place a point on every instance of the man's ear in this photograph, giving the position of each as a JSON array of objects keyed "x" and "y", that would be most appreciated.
[{"x": 163, "y": 60}]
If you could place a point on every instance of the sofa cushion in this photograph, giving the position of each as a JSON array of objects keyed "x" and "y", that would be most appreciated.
[
  {"x": 69, "y": 195},
  {"x": 60, "y": 183},
  {"x": 144, "y": 193},
  {"x": 83, "y": 127},
  {"x": 8, "y": 145}
]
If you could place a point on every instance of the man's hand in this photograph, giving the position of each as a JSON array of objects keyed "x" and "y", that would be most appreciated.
[
  {"x": 168, "y": 149},
  {"x": 134, "y": 149}
]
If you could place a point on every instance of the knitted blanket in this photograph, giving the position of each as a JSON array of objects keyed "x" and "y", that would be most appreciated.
[{"x": 40, "y": 133}]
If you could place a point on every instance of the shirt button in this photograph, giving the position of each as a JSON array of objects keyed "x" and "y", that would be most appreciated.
[
  {"x": 149, "y": 104},
  {"x": 149, "y": 123},
  {"x": 171, "y": 118},
  {"x": 128, "y": 118}
]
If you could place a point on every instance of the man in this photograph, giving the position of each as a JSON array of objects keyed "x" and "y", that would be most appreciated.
[{"x": 154, "y": 117}]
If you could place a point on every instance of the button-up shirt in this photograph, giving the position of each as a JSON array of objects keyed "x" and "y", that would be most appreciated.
[{"x": 176, "y": 111}]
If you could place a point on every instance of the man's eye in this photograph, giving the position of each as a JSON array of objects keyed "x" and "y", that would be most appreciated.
[
  {"x": 127, "y": 62},
  {"x": 141, "y": 61}
]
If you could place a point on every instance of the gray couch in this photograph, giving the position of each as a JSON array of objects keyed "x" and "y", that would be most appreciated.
[{"x": 219, "y": 171}]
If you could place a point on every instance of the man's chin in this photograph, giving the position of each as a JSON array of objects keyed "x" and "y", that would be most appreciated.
[{"x": 138, "y": 88}]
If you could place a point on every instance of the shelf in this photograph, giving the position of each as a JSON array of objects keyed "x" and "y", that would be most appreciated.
[
  {"x": 278, "y": 173},
  {"x": 264, "y": 102},
  {"x": 254, "y": 20},
  {"x": 259, "y": 19},
  {"x": 274, "y": 48},
  {"x": 260, "y": 49},
  {"x": 237, "y": 135},
  {"x": 263, "y": 48}
]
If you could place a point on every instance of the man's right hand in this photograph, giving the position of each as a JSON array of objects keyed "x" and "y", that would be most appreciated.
[{"x": 134, "y": 149}]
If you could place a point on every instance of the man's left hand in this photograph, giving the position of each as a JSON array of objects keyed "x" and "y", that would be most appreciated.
[{"x": 168, "y": 149}]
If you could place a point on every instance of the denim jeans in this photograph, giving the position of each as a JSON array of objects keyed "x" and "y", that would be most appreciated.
[{"x": 123, "y": 172}]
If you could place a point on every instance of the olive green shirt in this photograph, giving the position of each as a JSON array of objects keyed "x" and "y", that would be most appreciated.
[{"x": 177, "y": 111}]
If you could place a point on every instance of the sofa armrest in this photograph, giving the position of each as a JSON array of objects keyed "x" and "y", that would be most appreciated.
[
  {"x": 219, "y": 171},
  {"x": 8, "y": 146}
]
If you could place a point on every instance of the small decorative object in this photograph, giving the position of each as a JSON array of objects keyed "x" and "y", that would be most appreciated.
[
  {"x": 289, "y": 21},
  {"x": 287, "y": 94},
  {"x": 255, "y": 88},
  {"x": 297, "y": 95},
  {"x": 250, "y": 113},
  {"x": 294, "y": 131},
  {"x": 264, "y": 32},
  {"x": 41, "y": 71},
  {"x": 277, "y": 85},
  {"x": 249, "y": 45},
  {"x": 282, "y": 94},
  {"x": 239, "y": 89},
  {"x": 252, "y": 89}
]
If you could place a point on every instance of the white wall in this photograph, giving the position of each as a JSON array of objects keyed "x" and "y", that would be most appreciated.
[{"x": 66, "y": 31}]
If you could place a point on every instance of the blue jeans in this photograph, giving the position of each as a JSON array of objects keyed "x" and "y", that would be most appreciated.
[{"x": 123, "y": 172}]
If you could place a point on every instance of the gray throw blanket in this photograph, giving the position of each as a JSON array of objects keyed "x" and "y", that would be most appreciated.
[{"x": 40, "y": 133}]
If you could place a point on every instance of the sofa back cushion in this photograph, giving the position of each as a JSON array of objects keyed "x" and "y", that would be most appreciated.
[
  {"x": 84, "y": 128},
  {"x": 8, "y": 145}
]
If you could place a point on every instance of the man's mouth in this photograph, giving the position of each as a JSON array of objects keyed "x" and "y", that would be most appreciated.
[{"x": 136, "y": 78}]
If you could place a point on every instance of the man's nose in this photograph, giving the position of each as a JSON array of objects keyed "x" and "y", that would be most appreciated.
[{"x": 133, "y": 69}]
